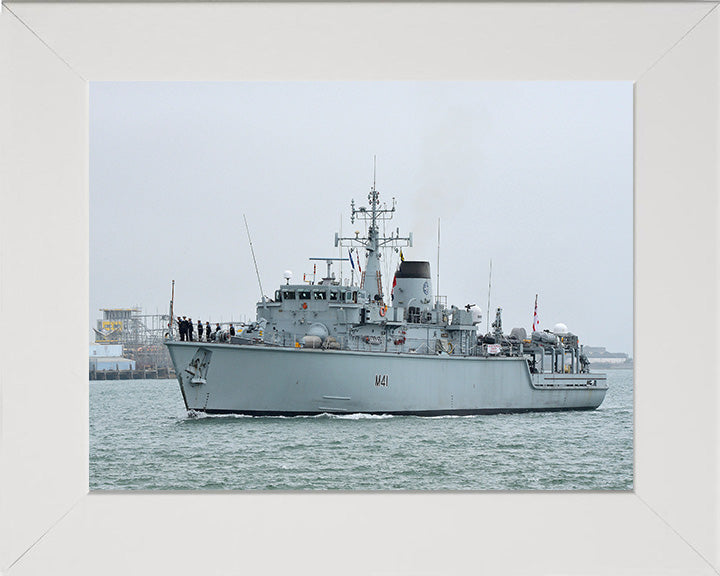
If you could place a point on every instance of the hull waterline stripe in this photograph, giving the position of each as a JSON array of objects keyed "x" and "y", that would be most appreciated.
[{"x": 428, "y": 413}]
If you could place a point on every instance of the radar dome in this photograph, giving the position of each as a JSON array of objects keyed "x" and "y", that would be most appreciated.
[
  {"x": 560, "y": 328},
  {"x": 287, "y": 274}
]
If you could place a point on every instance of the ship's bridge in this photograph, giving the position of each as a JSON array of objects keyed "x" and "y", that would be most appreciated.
[
  {"x": 297, "y": 310},
  {"x": 294, "y": 296}
]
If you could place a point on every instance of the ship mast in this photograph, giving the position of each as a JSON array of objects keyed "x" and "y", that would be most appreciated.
[{"x": 374, "y": 213}]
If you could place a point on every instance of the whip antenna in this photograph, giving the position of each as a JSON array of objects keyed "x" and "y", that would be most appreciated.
[
  {"x": 437, "y": 282},
  {"x": 252, "y": 251},
  {"x": 172, "y": 311},
  {"x": 487, "y": 327}
]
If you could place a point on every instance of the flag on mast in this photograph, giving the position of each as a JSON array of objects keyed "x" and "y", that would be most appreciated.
[
  {"x": 536, "y": 321},
  {"x": 402, "y": 258},
  {"x": 358, "y": 259},
  {"x": 351, "y": 259}
]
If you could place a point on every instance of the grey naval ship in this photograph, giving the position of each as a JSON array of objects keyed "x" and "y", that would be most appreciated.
[{"x": 345, "y": 347}]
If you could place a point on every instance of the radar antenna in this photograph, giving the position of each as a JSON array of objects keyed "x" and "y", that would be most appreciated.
[{"x": 329, "y": 262}]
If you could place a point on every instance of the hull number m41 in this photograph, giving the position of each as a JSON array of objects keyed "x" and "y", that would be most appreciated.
[{"x": 381, "y": 379}]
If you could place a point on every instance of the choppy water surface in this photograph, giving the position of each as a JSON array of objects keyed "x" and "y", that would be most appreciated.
[{"x": 142, "y": 439}]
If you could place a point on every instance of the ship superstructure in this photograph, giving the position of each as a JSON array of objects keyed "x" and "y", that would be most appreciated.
[{"x": 329, "y": 347}]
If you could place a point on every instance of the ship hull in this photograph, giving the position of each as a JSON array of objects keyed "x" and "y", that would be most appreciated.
[{"x": 274, "y": 381}]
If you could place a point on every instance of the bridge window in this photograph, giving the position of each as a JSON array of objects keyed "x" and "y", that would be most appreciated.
[
  {"x": 288, "y": 294},
  {"x": 333, "y": 294},
  {"x": 304, "y": 294},
  {"x": 319, "y": 295}
]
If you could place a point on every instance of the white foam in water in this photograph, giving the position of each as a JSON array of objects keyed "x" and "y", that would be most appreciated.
[
  {"x": 193, "y": 415},
  {"x": 359, "y": 416}
]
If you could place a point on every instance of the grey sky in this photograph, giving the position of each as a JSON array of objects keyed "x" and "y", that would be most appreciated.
[{"x": 536, "y": 176}]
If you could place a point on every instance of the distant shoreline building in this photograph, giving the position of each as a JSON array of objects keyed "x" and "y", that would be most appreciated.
[
  {"x": 126, "y": 339},
  {"x": 109, "y": 357}
]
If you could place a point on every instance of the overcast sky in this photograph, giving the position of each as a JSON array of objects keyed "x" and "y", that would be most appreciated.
[{"x": 536, "y": 176}]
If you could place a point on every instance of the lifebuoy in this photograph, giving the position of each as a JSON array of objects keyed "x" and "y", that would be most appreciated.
[
  {"x": 383, "y": 310},
  {"x": 304, "y": 305}
]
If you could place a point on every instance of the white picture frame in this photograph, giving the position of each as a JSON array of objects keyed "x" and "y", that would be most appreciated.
[{"x": 49, "y": 523}]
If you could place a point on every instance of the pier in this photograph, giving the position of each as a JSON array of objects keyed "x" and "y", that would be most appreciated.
[{"x": 158, "y": 373}]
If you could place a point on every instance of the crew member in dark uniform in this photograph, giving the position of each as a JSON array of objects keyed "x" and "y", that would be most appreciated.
[
  {"x": 190, "y": 329},
  {"x": 208, "y": 330},
  {"x": 200, "y": 331},
  {"x": 181, "y": 329},
  {"x": 232, "y": 330}
]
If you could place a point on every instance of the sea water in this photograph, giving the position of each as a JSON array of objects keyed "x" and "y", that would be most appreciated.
[{"x": 141, "y": 438}]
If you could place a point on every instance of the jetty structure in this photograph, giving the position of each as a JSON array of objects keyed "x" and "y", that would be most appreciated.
[{"x": 336, "y": 348}]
